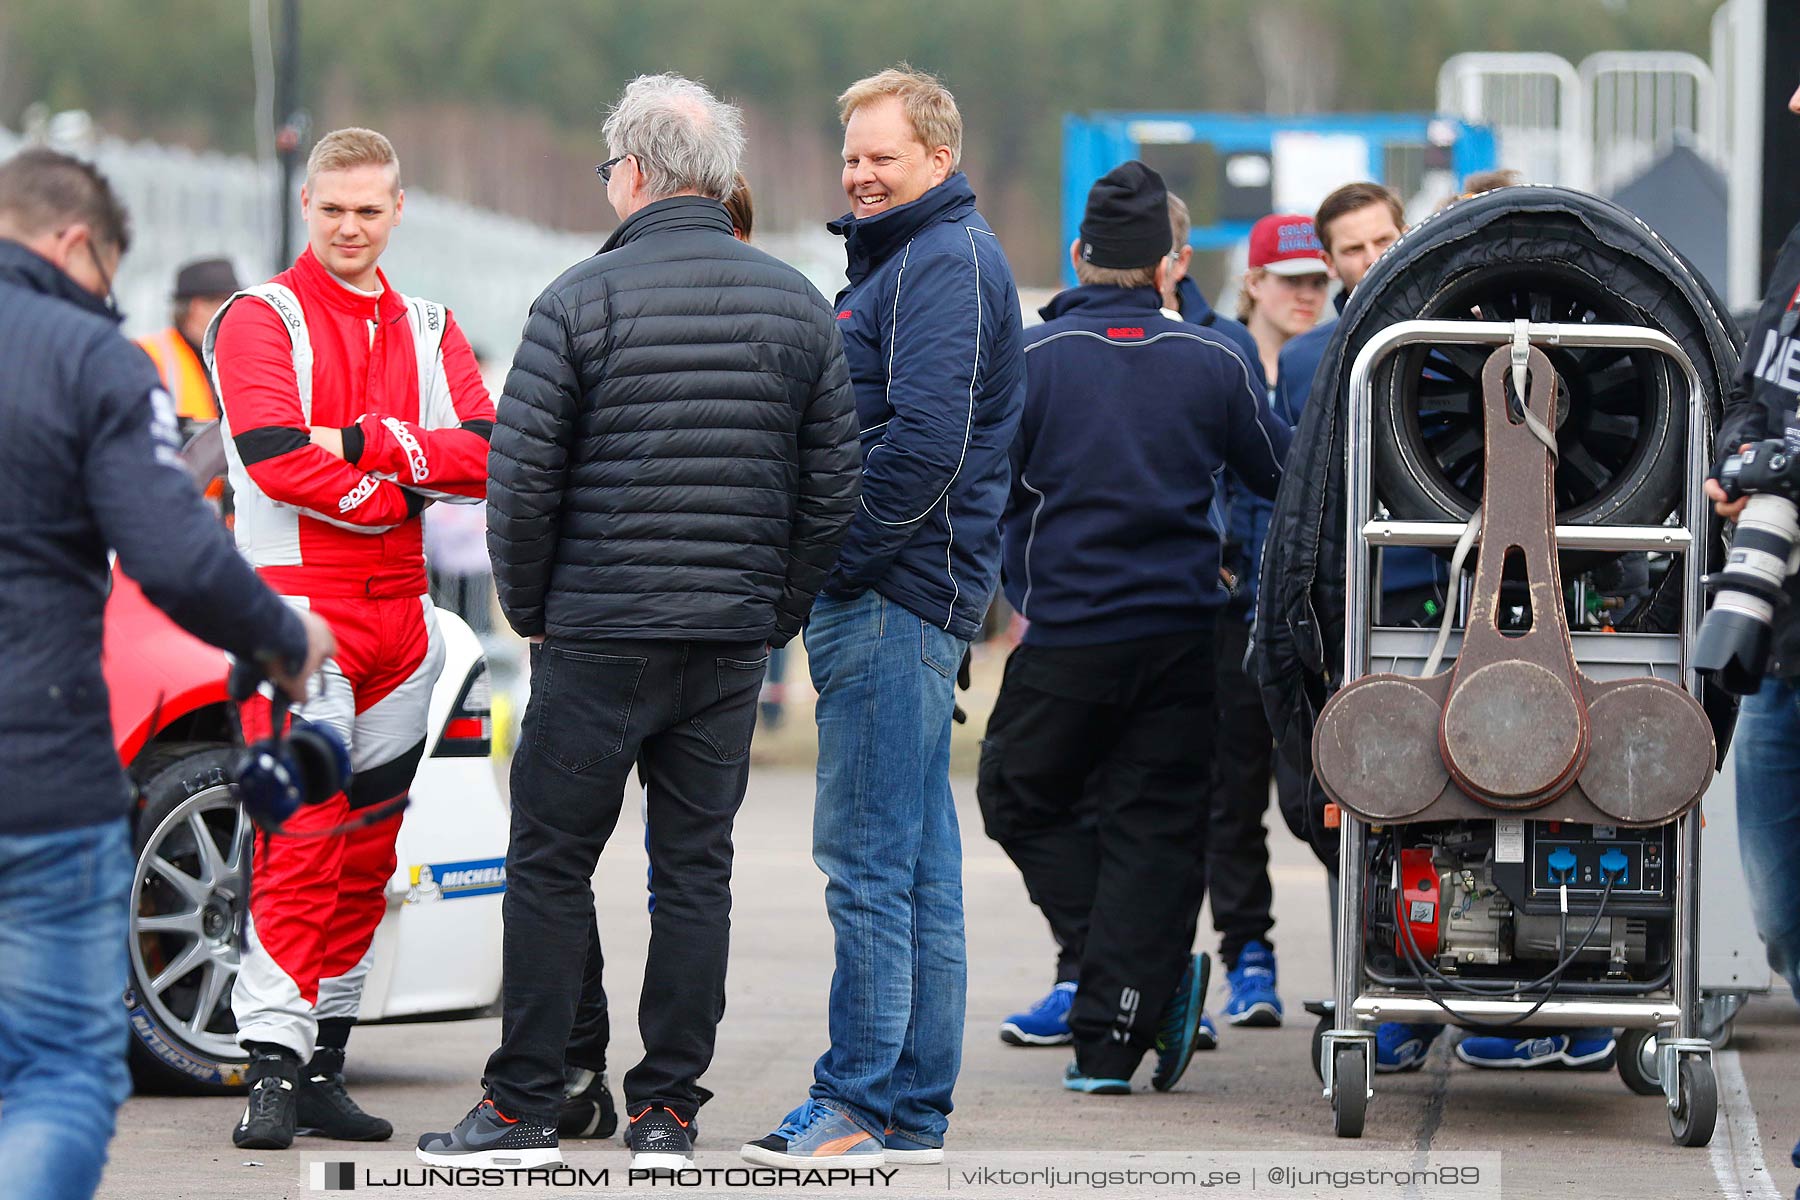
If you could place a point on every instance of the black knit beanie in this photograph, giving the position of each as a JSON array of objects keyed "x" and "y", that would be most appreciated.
[{"x": 1127, "y": 219}]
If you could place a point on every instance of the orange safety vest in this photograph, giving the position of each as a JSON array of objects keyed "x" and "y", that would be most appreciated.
[{"x": 182, "y": 374}]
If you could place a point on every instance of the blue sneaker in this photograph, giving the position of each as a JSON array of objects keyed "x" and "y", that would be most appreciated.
[
  {"x": 1047, "y": 1022},
  {"x": 1093, "y": 1085},
  {"x": 1207, "y": 1036},
  {"x": 1180, "y": 1024},
  {"x": 1400, "y": 1048},
  {"x": 1252, "y": 987},
  {"x": 814, "y": 1133},
  {"x": 905, "y": 1150},
  {"x": 1589, "y": 1049}
]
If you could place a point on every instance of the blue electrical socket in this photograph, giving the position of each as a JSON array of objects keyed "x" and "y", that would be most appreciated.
[{"x": 1614, "y": 862}]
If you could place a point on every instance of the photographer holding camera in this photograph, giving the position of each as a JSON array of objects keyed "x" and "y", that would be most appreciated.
[{"x": 1754, "y": 617}]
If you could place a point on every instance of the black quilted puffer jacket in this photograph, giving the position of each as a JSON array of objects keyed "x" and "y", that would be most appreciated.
[{"x": 675, "y": 453}]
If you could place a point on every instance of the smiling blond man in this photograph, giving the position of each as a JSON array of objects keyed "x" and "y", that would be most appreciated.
[
  {"x": 932, "y": 335},
  {"x": 347, "y": 408}
]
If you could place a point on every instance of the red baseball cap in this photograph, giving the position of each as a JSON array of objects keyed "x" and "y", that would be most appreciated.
[{"x": 1285, "y": 244}]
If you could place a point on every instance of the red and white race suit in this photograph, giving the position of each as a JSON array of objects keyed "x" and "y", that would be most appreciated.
[{"x": 342, "y": 537}]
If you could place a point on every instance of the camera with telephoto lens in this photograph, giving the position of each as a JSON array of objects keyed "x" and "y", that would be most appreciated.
[{"x": 1733, "y": 646}]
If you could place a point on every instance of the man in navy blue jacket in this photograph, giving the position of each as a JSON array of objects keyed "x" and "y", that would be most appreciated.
[
  {"x": 88, "y": 463},
  {"x": 1106, "y": 709},
  {"x": 932, "y": 336}
]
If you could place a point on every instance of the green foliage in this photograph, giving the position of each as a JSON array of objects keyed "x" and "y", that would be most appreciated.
[{"x": 182, "y": 68}]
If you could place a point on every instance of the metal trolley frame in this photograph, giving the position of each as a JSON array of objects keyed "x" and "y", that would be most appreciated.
[{"x": 1347, "y": 1048}]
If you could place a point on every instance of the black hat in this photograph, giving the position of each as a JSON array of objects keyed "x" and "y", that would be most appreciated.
[
  {"x": 206, "y": 277},
  {"x": 1127, "y": 219}
]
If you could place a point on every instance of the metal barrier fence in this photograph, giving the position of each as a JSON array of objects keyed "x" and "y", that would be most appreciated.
[
  {"x": 1596, "y": 127},
  {"x": 486, "y": 266}
]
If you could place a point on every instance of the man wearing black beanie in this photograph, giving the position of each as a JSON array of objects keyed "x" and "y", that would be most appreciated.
[{"x": 1094, "y": 773}]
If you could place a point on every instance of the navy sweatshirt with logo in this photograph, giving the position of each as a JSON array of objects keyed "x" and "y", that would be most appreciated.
[{"x": 1128, "y": 416}]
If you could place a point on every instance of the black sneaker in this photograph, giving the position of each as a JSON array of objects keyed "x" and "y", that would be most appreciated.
[
  {"x": 587, "y": 1106},
  {"x": 659, "y": 1140},
  {"x": 489, "y": 1138},
  {"x": 268, "y": 1121},
  {"x": 326, "y": 1109},
  {"x": 1178, "y": 1031}
]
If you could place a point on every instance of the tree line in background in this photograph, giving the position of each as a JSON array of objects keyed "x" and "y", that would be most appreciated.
[{"x": 500, "y": 105}]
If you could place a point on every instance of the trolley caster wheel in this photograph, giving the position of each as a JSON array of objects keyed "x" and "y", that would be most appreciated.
[
  {"x": 1720, "y": 1038},
  {"x": 1636, "y": 1059},
  {"x": 1349, "y": 1091},
  {"x": 1696, "y": 1108},
  {"x": 1326, "y": 1022}
]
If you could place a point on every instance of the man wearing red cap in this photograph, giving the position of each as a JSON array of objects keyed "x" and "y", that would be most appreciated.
[{"x": 1282, "y": 295}]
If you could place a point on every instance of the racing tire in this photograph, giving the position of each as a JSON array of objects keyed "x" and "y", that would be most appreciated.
[
  {"x": 190, "y": 898},
  {"x": 1621, "y": 431}
]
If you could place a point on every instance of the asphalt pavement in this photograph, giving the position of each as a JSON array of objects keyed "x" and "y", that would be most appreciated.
[{"x": 1561, "y": 1134}]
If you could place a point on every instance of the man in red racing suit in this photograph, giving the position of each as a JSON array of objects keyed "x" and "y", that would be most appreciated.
[{"x": 347, "y": 408}]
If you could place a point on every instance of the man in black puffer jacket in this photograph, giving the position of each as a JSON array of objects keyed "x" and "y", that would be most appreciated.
[{"x": 673, "y": 467}]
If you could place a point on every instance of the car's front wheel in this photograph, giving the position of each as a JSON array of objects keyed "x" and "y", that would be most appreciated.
[{"x": 190, "y": 897}]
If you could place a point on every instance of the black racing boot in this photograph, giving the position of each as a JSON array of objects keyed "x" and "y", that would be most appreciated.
[
  {"x": 326, "y": 1109},
  {"x": 268, "y": 1121}
]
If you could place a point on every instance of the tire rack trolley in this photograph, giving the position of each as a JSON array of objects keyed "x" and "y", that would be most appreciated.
[{"x": 1346, "y": 1050}]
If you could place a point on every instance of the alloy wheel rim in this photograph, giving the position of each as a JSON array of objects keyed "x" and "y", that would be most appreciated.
[{"x": 189, "y": 902}]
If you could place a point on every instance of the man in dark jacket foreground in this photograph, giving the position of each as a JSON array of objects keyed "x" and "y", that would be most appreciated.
[
  {"x": 1106, "y": 708},
  {"x": 88, "y": 463},
  {"x": 931, "y": 331},
  {"x": 673, "y": 468}
]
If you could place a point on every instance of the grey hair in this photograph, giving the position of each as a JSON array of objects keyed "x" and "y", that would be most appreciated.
[{"x": 685, "y": 139}]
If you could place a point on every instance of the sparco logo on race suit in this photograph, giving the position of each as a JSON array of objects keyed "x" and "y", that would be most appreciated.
[
  {"x": 415, "y": 453},
  {"x": 356, "y": 495}
]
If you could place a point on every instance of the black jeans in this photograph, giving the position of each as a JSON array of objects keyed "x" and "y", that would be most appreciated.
[
  {"x": 1093, "y": 779},
  {"x": 683, "y": 712},
  {"x": 592, "y": 1030},
  {"x": 1237, "y": 848}
]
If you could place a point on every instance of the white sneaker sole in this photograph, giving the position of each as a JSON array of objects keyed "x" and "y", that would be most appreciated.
[
  {"x": 1559, "y": 1059},
  {"x": 769, "y": 1158},
  {"x": 661, "y": 1162},
  {"x": 1012, "y": 1035},
  {"x": 1262, "y": 1015},
  {"x": 505, "y": 1160},
  {"x": 913, "y": 1158}
]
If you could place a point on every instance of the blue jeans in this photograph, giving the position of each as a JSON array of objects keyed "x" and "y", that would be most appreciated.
[
  {"x": 63, "y": 923},
  {"x": 1768, "y": 812},
  {"x": 885, "y": 834}
]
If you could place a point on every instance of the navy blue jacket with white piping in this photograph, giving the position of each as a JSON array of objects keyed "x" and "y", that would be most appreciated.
[
  {"x": 936, "y": 352},
  {"x": 1128, "y": 416}
]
